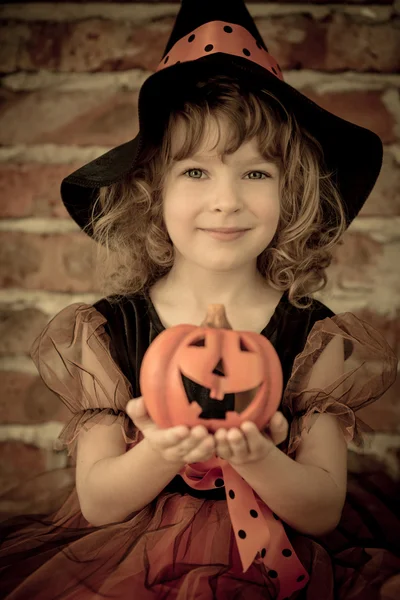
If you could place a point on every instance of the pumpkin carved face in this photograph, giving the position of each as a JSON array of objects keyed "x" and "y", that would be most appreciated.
[{"x": 224, "y": 362}]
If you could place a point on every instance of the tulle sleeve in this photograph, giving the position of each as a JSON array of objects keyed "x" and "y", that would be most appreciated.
[
  {"x": 74, "y": 359},
  {"x": 370, "y": 368}
]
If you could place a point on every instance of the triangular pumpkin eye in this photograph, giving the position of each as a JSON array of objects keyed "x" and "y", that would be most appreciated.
[
  {"x": 220, "y": 369},
  {"x": 200, "y": 343},
  {"x": 243, "y": 346}
]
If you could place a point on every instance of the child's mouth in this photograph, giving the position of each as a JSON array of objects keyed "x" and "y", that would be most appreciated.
[{"x": 225, "y": 235}]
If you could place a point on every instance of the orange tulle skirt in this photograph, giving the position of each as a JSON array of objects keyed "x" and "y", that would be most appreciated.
[{"x": 182, "y": 548}]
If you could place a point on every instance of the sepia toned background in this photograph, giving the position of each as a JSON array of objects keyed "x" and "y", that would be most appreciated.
[{"x": 70, "y": 75}]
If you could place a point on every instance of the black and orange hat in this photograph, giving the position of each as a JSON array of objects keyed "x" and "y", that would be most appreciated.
[{"x": 219, "y": 37}]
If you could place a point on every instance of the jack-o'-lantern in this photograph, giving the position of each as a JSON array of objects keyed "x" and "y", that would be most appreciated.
[
  {"x": 238, "y": 364},
  {"x": 224, "y": 362}
]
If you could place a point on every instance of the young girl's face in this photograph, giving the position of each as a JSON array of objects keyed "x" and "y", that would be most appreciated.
[{"x": 202, "y": 193}]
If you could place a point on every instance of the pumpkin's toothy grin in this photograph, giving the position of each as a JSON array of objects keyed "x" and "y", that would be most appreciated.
[{"x": 212, "y": 408}]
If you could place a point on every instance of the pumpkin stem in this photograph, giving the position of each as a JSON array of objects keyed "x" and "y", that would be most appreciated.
[{"x": 216, "y": 317}]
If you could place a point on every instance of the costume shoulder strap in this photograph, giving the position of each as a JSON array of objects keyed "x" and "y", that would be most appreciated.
[{"x": 129, "y": 328}]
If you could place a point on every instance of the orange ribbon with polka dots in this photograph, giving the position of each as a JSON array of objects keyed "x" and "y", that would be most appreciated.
[
  {"x": 257, "y": 529},
  {"x": 220, "y": 36}
]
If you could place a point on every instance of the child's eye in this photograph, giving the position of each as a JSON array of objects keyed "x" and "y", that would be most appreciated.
[
  {"x": 266, "y": 175},
  {"x": 190, "y": 170},
  {"x": 260, "y": 173}
]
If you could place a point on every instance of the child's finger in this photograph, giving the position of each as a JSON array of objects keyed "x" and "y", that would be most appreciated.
[
  {"x": 136, "y": 408},
  {"x": 194, "y": 439},
  {"x": 223, "y": 448},
  {"x": 137, "y": 411},
  {"x": 197, "y": 454},
  {"x": 255, "y": 439},
  {"x": 238, "y": 443},
  {"x": 279, "y": 428},
  {"x": 169, "y": 437}
]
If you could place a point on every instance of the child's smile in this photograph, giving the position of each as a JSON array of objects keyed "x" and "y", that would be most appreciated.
[{"x": 225, "y": 236}]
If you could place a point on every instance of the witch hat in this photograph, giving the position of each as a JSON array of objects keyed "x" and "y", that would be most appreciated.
[{"x": 214, "y": 37}]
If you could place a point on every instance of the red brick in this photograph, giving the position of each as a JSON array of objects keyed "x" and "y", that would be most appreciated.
[
  {"x": 384, "y": 414},
  {"x": 18, "y": 328},
  {"x": 78, "y": 46},
  {"x": 50, "y": 262},
  {"x": 26, "y": 400},
  {"x": 362, "y": 46},
  {"x": 100, "y": 45},
  {"x": 87, "y": 45},
  {"x": 338, "y": 42},
  {"x": 294, "y": 40},
  {"x": 109, "y": 119},
  {"x": 82, "y": 117},
  {"x": 364, "y": 108},
  {"x": 389, "y": 327},
  {"x": 354, "y": 261},
  {"x": 366, "y": 266},
  {"x": 13, "y": 37},
  {"x": 28, "y": 190},
  {"x": 385, "y": 197},
  {"x": 18, "y": 462}
]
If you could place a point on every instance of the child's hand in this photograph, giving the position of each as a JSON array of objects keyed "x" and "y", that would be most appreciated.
[
  {"x": 180, "y": 445},
  {"x": 248, "y": 444}
]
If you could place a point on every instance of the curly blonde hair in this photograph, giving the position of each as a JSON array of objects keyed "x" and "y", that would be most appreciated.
[{"x": 134, "y": 249}]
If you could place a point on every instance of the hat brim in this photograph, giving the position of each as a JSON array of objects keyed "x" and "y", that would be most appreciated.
[{"x": 352, "y": 153}]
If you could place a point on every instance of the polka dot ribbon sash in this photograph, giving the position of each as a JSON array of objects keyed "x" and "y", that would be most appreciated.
[
  {"x": 257, "y": 529},
  {"x": 219, "y": 36}
]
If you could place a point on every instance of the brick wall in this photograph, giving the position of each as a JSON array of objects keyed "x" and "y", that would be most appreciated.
[{"x": 70, "y": 80}]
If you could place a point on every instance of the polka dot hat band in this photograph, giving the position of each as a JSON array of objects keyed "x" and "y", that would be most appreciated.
[
  {"x": 259, "y": 533},
  {"x": 219, "y": 36}
]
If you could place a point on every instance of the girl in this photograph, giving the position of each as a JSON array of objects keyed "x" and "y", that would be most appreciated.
[{"x": 224, "y": 197}]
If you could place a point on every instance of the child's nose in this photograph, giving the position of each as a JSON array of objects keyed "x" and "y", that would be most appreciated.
[{"x": 228, "y": 201}]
